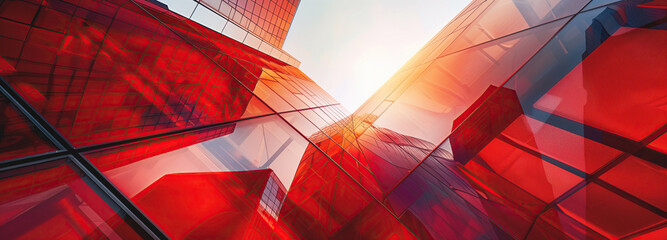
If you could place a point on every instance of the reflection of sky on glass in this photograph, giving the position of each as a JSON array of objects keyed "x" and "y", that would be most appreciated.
[
  {"x": 351, "y": 47},
  {"x": 262, "y": 143}
]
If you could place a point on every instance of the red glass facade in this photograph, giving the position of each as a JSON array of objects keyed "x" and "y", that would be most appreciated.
[
  {"x": 519, "y": 120},
  {"x": 544, "y": 115}
]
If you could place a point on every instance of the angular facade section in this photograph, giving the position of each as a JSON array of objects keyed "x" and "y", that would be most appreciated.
[
  {"x": 550, "y": 120},
  {"x": 519, "y": 120},
  {"x": 262, "y": 25},
  {"x": 270, "y": 20}
]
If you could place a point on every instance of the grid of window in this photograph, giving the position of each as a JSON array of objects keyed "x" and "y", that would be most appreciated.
[
  {"x": 272, "y": 197},
  {"x": 229, "y": 18},
  {"x": 268, "y": 19}
]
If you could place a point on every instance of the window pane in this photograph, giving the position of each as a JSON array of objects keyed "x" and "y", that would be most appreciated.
[
  {"x": 18, "y": 137},
  {"x": 54, "y": 201},
  {"x": 227, "y": 175}
]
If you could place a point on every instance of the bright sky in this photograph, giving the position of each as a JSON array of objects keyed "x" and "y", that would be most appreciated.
[{"x": 351, "y": 47}]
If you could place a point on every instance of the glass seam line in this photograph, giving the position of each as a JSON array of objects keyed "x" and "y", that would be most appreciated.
[{"x": 87, "y": 167}]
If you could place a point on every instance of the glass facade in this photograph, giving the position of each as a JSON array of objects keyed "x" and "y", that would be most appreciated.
[
  {"x": 122, "y": 119},
  {"x": 544, "y": 114},
  {"x": 268, "y": 19},
  {"x": 260, "y": 24}
]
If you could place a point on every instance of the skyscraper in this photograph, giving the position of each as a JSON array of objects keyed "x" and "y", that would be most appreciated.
[
  {"x": 547, "y": 118},
  {"x": 260, "y": 24},
  {"x": 147, "y": 119}
]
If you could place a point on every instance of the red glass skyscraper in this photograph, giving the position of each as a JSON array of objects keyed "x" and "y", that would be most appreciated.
[{"x": 149, "y": 119}]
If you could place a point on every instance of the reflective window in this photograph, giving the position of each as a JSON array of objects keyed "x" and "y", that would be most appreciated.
[
  {"x": 54, "y": 201},
  {"x": 19, "y": 137}
]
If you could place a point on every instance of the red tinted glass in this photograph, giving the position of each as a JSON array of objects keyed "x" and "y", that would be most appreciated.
[
  {"x": 102, "y": 72},
  {"x": 18, "y": 137},
  {"x": 52, "y": 201}
]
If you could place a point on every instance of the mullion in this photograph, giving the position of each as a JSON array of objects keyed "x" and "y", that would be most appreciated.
[{"x": 89, "y": 170}]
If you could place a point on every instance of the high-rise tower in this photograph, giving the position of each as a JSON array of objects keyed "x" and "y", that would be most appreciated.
[{"x": 131, "y": 119}]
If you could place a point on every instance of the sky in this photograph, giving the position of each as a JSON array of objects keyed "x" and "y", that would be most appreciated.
[{"x": 351, "y": 47}]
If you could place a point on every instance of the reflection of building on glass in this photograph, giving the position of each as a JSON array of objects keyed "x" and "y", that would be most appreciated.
[
  {"x": 230, "y": 199},
  {"x": 185, "y": 120},
  {"x": 272, "y": 199},
  {"x": 483, "y": 122}
]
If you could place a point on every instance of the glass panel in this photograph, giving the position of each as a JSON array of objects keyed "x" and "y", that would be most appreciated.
[
  {"x": 574, "y": 78},
  {"x": 212, "y": 177},
  {"x": 101, "y": 73},
  {"x": 325, "y": 203},
  {"x": 433, "y": 208},
  {"x": 450, "y": 85},
  {"x": 608, "y": 213},
  {"x": 275, "y": 101},
  {"x": 660, "y": 143},
  {"x": 301, "y": 124},
  {"x": 590, "y": 92},
  {"x": 284, "y": 93},
  {"x": 516, "y": 16},
  {"x": 574, "y": 150},
  {"x": 18, "y": 137},
  {"x": 54, "y": 201},
  {"x": 653, "y": 177},
  {"x": 528, "y": 172},
  {"x": 554, "y": 224},
  {"x": 208, "y": 18},
  {"x": 389, "y": 161}
]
